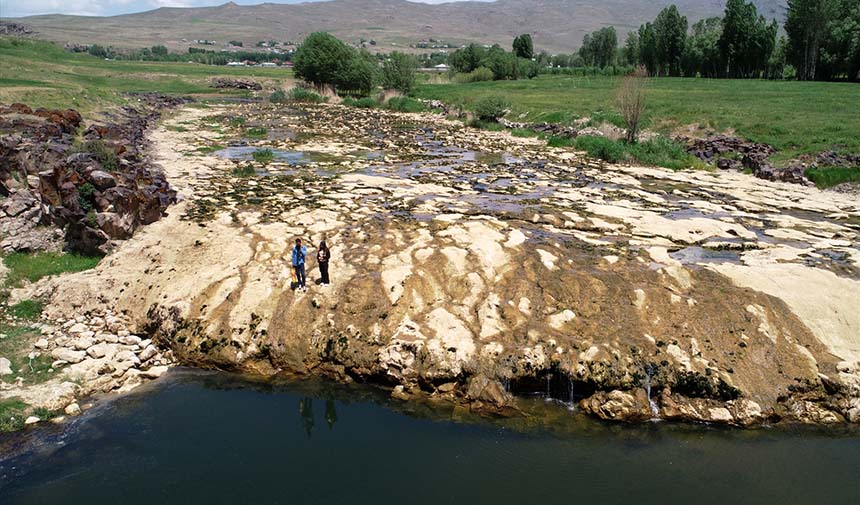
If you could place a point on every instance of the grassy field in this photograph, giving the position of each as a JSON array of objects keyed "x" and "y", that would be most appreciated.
[
  {"x": 42, "y": 74},
  {"x": 794, "y": 117}
]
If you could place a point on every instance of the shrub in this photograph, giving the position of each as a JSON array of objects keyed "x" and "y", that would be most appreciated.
[
  {"x": 601, "y": 148},
  {"x": 491, "y": 108},
  {"x": 631, "y": 102},
  {"x": 278, "y": 96},
  {"x": 86, "y": 196},
  {"x": 256, "y": 132},
  {"x": 263, "y": 155},
  {"x": 304, "y": 95},
  {"x": 102, "y": 153},
  {"x": 245, "y": 171},
  {"x": 361, "y": 103},
  {"x": 663, "y": 152},
  {"x": 478, "y": 75},
  {"x": 406, "y": 104}
]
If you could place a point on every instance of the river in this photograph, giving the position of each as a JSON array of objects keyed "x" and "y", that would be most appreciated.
[{"x": 199, "y": 437}]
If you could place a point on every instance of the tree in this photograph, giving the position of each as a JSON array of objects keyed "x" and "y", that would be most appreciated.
[
  {"x": 523, "y": 46},
  {"x": 631, "y": 49},
  {"x": 359, "y": 75},
  {"x": 467, "y": 59},
  {"x": 322, "y": 59},
  {"x": 398, "y": 72},
  {"x": 702, "y": 51},
  {"x": 599, "y": 48},
  {"x": 747, "y": 40},
  {"x": 670, "y": 30},
  {"x": 648, "y": 48},
  {"x": 631, "y": 101},
  {"x": 805, "y": 25}
]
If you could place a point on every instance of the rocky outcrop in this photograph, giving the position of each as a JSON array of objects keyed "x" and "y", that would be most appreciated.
[
  {"x": 473, "y": 266},
  {"x": 95, "y": 192},
  {"x": 233, "y": 83}
]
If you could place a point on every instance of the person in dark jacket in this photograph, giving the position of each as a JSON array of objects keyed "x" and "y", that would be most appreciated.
[
  {"x": 323, "y": 255},
  {"x": 299, "y": 254}
]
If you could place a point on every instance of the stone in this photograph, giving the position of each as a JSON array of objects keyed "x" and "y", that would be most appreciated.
[
  {"x": 78, "y": 328},
  {"x": 42, "y": 343},
  {"x": 98, "y": 350},
  {"x": 102, "y": 180},
  {"x": 398, "y": 393},
  {"x": 154, "y": 372},
  {"x": 83, "y": 343},
  {"x": 130, "y": 340},
  {"x": 32, "y": 420},
  {"x": 5, "y": 367},
  {"x": 720, "y": 415},
  {"x": 72, "y": 409},
  {"x": 68, "y": 355},
  {"x": 148, "y": 353}
]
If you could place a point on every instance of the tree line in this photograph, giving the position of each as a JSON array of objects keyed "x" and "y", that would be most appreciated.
[
  {"x": 821, "y": 41},
  {"x": 495, "y": 62}
]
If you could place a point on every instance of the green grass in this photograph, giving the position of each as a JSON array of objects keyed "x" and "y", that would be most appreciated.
[
  {"x": 245, "y": 171},
  {"x": 405, "y": 104},
  {"x": 794, "y": 117},
  {"x": 660, "y": 151},
  {"x": 26, "y": 309},
  {"x": 263, "y": 155},
  {"x": 45, "y": 75},
  {"x": 826, "y": 177},
  {"x": 32, "y": 267},
  {"x": 210, "y": 149},
  {"x": 12, "y": 414},
  {"x": 361, "y": 103},
  {"x": 256, "y": 132}
]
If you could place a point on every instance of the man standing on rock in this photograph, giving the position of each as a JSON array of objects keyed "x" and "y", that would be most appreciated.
[{"x": 299, "y": 254}]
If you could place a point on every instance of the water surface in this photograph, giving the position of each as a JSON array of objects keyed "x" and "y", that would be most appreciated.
[{"x": 214, "y": 438}]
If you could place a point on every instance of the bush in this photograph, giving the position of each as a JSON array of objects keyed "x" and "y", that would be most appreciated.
[
  {"x": 663, "y": 152},
  {"x": 86, "y": 196},
  {"x": 245, "y": 171},
  {"x": 480, "y": 74},
  {"x": 491, "y": 108},
  {"x": 102, "y": 153},
  {"x": 361, "y": 103},
  {"x": 601, "y": 148},
  {"x": 304, "y": 95},
  {"x": 278, "y": 96},
  {"x": 263, "y": 155},
  {"x": 256, "y": 132},
  {"x": 406, "y": 104}
]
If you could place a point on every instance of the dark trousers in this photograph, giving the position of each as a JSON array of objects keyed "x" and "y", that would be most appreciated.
[
  {"x": 300, "y": 274},
  {"x": 324, "y": 272}
]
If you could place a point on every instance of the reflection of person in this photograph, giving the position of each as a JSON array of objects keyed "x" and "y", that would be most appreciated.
[
  {"x": 330, "y": 413},
  {"x": 299, "y": 254},
  {"x": 306, "y": 412}
]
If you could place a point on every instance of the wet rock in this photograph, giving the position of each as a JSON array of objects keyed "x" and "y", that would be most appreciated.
[
  {"x": 72, "y": 409},
  {"x": 399, "y": 393},
  {"x": 616, "y": 406},
  {"x": 483, "y": 389}
]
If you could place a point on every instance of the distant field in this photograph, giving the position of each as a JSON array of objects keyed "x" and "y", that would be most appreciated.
[
  {"x": 42, "y": 74},
  {"x": 795, "y": 117}
]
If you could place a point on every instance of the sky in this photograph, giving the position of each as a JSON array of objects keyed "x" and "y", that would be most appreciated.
[{"x": 18, "y": 8}]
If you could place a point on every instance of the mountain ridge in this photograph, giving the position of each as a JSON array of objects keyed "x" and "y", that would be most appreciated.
[{"x": 556, "y": 25}]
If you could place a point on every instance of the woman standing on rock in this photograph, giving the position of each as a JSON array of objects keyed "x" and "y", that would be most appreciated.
[
  {"x": 323, "y": 255},
  {"x": 299, "y": 253}
]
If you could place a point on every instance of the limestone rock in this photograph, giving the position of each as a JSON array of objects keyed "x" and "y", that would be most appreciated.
[
  {"x": 5, "y": 367},
  {"x": 68, "y": 355},
  {"x": 72, "y": 409}
]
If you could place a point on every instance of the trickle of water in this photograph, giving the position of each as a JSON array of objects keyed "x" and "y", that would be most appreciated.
[
  {"x": 654, "y": 410},
  {"x": 548, "y": 397},
  {"x": 570, "y": 403}
]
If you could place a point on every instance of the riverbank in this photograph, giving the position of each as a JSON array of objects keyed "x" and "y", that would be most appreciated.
[{"x": 474, "y": 267}]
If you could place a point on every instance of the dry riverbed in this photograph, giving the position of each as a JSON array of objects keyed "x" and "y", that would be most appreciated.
[{"x": 475, "y": 267}]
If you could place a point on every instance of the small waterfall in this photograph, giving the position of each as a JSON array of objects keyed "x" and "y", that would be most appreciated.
[
  {"x": 548, "y": 393},
  {"x": 571, "y": 405},
  {"x": 649, "y": 371}
]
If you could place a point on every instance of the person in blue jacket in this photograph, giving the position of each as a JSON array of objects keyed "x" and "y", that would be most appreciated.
[{"x": 300, "y": 252}]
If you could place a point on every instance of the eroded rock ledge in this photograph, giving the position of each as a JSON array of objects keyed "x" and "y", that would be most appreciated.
[{"x": 475, "y": 267}]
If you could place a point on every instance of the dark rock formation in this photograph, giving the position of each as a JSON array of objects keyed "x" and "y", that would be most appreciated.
[
  {"x": 224, "y": 82},
  {"x": 96, "y": 192}
]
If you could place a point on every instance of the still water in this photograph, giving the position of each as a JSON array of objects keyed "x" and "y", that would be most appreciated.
[{"x": 213, "y": 438}]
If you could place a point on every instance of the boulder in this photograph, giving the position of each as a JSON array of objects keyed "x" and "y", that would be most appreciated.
[
  {"x": 72, "y": 409},
  {"x": 32, "y": 420},
  {"x": 68, "y": 355},
  {"x": 102, "y": 180},
  {"x": 5, "y": 367}
]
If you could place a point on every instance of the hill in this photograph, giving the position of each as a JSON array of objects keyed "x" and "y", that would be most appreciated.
[{"x": 556, "y": 25}]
